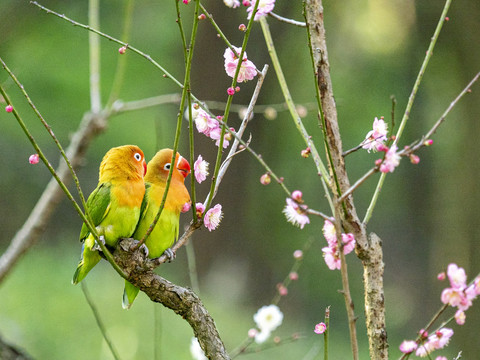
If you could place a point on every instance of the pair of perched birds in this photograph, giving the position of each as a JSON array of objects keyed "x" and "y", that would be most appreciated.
[{"x": 125, "y": 202}]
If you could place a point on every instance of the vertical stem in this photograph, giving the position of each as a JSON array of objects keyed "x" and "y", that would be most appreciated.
[{"x": 94, "y": 44}]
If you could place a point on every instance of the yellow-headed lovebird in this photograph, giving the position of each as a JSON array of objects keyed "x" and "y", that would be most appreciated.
[
  {"x": 166, "y": 230},
  {"x": 114, "y": 205}
]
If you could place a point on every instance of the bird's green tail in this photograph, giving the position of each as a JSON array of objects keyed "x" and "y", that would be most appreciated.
[
  {"x": 129, "y": 294},
  {"x": 90, "y": 258}
]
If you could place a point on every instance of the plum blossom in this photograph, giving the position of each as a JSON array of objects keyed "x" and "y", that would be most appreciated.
[
  {"x": 456, "y": 276},
  {"x": 186, "y": 207},
  {"x": 232, "y": 3},
  {"x": 320, "y": 328},
  {"x": 331, "y": 252},
  {"x": 391, "y": 161},
  {"x": 267, "y": 318},
  {"x": 247, "y": 70},
  {"x": 296, "y": 213},
  {"x": 204, "y": 122},
  {"x": 459, "y": 295},
  {"x": 9, "y": 108},
  {"x": 408, "y": 346},
  {"x": 264, "y": 7},
  {"x": 377, "y": 136},
  {"x": 213, "y": 217},
  {"x": 200, "y": 168}
]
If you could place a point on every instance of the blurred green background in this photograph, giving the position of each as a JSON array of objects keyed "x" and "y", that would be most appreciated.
[{"x": 426, "y": 215}]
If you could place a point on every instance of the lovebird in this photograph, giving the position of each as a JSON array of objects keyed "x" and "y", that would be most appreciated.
[
  {"x": 166, "y": 230},
  {"x": 114, "y": 205}
]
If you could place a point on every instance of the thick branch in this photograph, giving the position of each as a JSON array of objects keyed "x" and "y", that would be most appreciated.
[
  {"x": 182, "y": 301},
  {"x": 369, "y": 253}
]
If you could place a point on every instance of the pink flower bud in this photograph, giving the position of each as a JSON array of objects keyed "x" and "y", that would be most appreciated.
[
  {"x": 282, "y": 290},
  {"x": 378, "y": 162},
  {"x": 428, "y": 142},
  {"x": 441, "y": 276},
  {"x": 34, "y": 159},
  {"x": 306, "y": 152},
  {"x": 276, "y": 339},
  {"x": 242, "y": 27},
  {"x": 320, "y": 328},
  {"x": 298, "y": 254},
  {"x": 297, "y": 196},
  {"x": 447, "y": 18},
  {"x": 246, "y": 3},
  {"x": 200, "y": 209},
  {"x": 293, "y": 276},
  {"x": 186, "y": 2},
  {"x": 382, "y": 147},
  {"x": 414, "y": 159},
  {"x": 230, "y": 91},
  {"x": 187, "y": 206},
  {"x": 265, "y": 179},
  {"x": 122, "y": 50},
  {"x": 9, "y": 108},
  {"x": 237, "y": 89},
  {"x": 252, "y": 333},
  {"x": 196, "y": 106},
  {"x": 201, "y": 17}
]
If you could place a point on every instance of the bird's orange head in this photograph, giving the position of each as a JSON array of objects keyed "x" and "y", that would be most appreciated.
[
  {"x": 123, "y": 163},
  {"x": 160, "y": 164}
]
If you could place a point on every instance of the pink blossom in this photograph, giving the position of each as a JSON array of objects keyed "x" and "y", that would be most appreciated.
[
  {"x": 441, "y": 358},
  {"x": 296, "y": 214},
  {"x": 247, "y": 70},
  {"x": 332, "y": 258},
  {"x": 460, "y": 317},
  {"x": 329, "y": 232},
  {"x": 452, "y": 297},
  {"x": 34, "y": 159},
  {"x": 457, "y": 276},
  {"x": 348, "y": 243},
  {"x": 213, "y": 217},
  {"x": 264, "y": 7},
  {"x": 122, "y": 50},
  {"x": 391, "y": 161},
  {"x": 204, "y": 123},
  {"x": 440, "y": 338},
  {"x": 200, "y": 168},
  {"x": 9, "y": 108},
  {"x": 186, "y": 207},
  {"x": 215, "y": 135},
  {"x": 376, "y": 137},
  {"x": 408, "y": 346},
  {"x": 320, "y": 328},
  {"x": 242, "y": 27},
  {"x": 232, "y": 3}
]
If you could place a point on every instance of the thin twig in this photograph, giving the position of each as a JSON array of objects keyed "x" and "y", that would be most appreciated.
[
  {"x": 286, "y": 20},
  {"x": 99, "y": 321}
]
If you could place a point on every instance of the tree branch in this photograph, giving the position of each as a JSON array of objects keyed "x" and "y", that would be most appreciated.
[{"x": 182, "y": 301}]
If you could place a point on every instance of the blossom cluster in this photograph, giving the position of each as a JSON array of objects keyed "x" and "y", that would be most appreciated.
[
  {"x": 267, "y": 318},
  {"x": 435, "y": 341},
  {"x": 459, "y": 295},
  {"x": 331, "y": 253},
  {"x": 376, "y": 138},
  {"x": 209, "y": 126}
]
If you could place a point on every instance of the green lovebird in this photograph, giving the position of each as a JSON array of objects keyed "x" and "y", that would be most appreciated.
[
  {"x": 114, "y": 205},
  {"x": 166, "y": 230}
]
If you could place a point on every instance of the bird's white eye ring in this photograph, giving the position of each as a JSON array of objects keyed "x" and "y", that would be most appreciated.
[
  {"x": 138, "y": 156},
  {"x": 167, "y": 166}
]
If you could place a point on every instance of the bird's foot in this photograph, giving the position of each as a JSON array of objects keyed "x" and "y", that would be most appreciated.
[
  {"x": 170, "y": 254},
  {"x": 143, "y": 247},
  {"x": 97, "y": 247}
]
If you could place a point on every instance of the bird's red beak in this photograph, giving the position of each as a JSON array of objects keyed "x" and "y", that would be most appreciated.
[{"x": 183, "y": 166}]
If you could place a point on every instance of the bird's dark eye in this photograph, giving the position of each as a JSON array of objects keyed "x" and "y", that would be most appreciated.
[
  {"x": 138, "y": 156},
  {"x": 167, "y": 166}
]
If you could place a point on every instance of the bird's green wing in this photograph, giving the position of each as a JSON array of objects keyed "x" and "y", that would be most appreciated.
[{"x": 98, "y": 205}]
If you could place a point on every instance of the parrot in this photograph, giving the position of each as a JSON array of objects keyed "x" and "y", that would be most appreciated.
[
  {"x": 166, "y": 230},
  {"x": 114, "y": 206}
]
